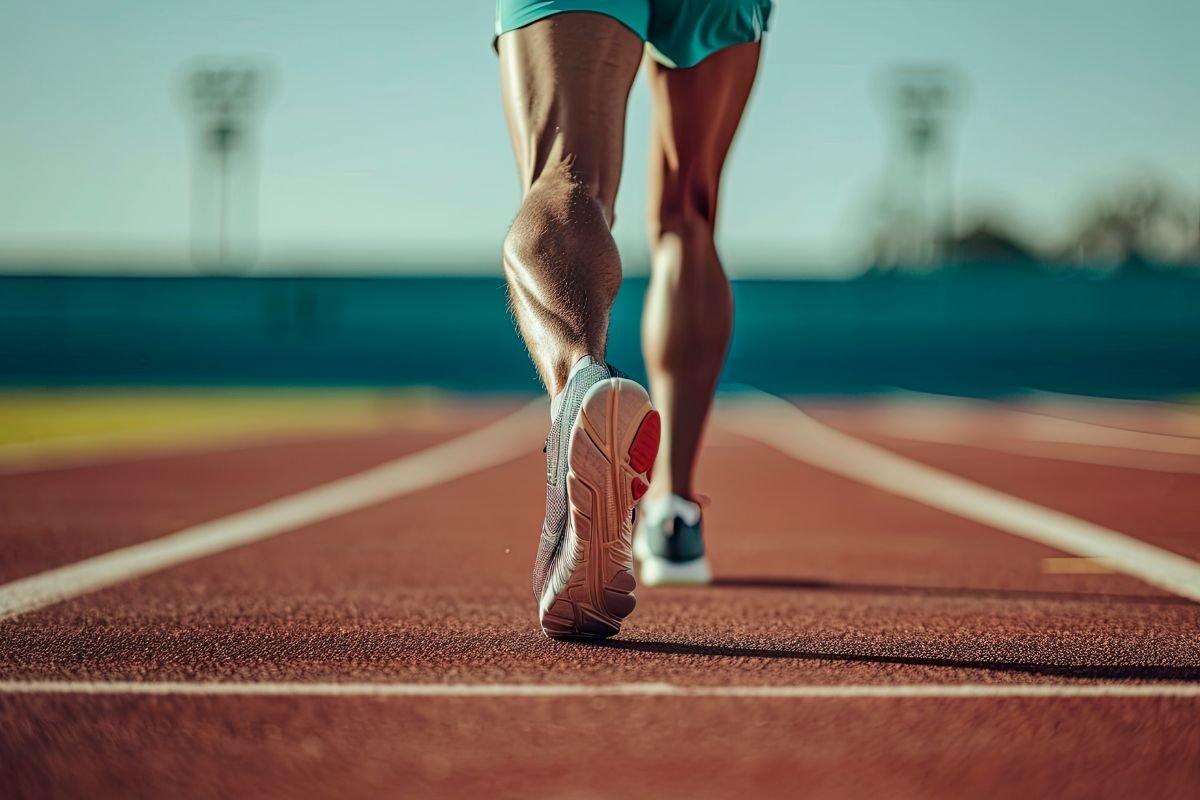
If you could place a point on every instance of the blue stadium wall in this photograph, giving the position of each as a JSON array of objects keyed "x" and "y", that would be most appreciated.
[{"x": 967, "y": 331}]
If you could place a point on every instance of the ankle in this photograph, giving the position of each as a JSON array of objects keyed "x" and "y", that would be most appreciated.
[{"x": 556, "y": 397}]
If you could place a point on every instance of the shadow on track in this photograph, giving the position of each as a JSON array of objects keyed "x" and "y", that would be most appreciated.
[
  {"x": 1080, "y": 671},
  {"x": 804, "y": 584}
]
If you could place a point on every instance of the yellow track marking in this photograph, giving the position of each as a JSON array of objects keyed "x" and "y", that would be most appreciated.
[
  {"x": 40, "y": 426},
  {"x": 1077, "y": 566}
]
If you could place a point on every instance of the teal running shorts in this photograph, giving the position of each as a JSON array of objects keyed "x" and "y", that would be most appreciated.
[{"x": 678, "y": 33}]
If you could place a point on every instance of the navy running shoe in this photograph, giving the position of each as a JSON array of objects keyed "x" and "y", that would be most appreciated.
[
  {"x": 669, "y": 544},
  {"x": 599, "y": 455}
]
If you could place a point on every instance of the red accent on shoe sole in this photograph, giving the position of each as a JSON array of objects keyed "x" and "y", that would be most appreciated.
[
  {"x": 644, "y": 448},
  {"x": 639, "y": 488}
]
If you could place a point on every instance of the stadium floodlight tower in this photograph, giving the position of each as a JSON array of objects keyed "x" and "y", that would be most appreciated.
[
  {"x": 922, "y": 100},
  {"x": 224, "y": 100}
]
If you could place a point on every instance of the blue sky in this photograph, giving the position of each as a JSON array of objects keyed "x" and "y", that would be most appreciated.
[{"x": 385, "y": 140}]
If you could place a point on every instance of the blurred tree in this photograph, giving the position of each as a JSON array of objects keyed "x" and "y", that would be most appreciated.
[
  {"x": 1139, "y": 224},
  {"x": 990, "y": 242}
]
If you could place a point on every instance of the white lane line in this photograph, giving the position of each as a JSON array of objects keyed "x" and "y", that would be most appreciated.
[
  {"x": 1187, "y": 417},
  {"x": 1109, "y": 457},
  {"x": 1052, "y": 428},
  {"x": 867, "y": 691},
  {"x": 1048, "y": 428},
  {"x": 1101, "y": 456},
  {"x": 781, "y": 425},
  {"x": 485, "y": 447}
]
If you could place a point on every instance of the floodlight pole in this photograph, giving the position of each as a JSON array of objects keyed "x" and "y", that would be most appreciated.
[
  {"x": 923, "y": 98},
  {"x": 223, "y": 101},
  {"x": 223, "y": 134}
]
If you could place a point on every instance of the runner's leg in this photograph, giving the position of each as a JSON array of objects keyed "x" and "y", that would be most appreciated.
[
  {"x": 565, "y": 82},
  {"x": 688, "y": 315}
]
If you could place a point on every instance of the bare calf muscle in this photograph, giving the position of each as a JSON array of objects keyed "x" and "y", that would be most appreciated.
[{"x": 566, "y": 82}]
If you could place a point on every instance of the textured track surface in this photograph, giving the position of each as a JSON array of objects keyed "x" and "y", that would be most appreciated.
[{"x": 821, "y": 581}]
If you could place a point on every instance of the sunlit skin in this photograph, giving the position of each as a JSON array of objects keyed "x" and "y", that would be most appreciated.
[
  {"x": 688, "y": 314},
  {"x": 566, "y": 82}
]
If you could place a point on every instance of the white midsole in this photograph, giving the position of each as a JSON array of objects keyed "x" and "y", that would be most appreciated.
[
  {"x": 655, "y": 571},
  {"x": 565, "y": 565}
]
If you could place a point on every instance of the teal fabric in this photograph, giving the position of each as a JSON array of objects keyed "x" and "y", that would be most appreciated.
[{"x": 678, "y": 33}]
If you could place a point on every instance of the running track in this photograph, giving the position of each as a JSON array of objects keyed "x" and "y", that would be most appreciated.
[{"x": 322, "y": 626}]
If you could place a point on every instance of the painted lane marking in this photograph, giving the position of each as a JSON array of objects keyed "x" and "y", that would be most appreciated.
[
  {"x": 1180, "y": 414},
  {"x": 1146, "y": 461},
  {"x": 39, "y": 460},
  {"x": 229, "y": 431},
  {"x": 816, "y": 692},
  {"x": 484, "y": 447},
  {"x": 781, "y": 425},
  {"x": 1042, "y": 427},
  {"x": 1076, "y": 566}
]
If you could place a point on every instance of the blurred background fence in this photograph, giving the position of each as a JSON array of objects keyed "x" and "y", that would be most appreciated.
[{"x": 972, "y": 330}]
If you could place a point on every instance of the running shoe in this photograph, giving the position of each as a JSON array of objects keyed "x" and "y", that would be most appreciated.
[
  {"x": 599, "y": 455},
  {"x": 670, "y": 544}
]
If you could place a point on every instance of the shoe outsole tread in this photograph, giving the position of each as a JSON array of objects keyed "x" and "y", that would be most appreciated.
[{"x": 611, "y": 452}]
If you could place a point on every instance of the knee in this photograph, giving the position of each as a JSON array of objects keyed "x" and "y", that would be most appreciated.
[
  {"x": 682, "y": 243},
  {"x": 687, "y": 213}
]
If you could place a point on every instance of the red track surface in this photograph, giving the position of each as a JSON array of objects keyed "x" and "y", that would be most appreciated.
[{"x": 822, "y": 581}]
